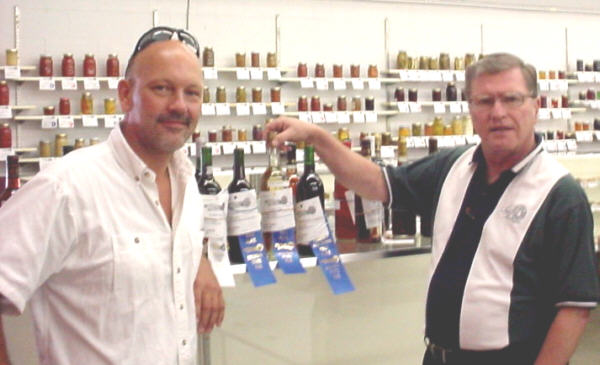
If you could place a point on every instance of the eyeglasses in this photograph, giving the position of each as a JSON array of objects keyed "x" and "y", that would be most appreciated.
[
  {"x": 508, "y": 100},
  {"x": 163, "y": 34}
]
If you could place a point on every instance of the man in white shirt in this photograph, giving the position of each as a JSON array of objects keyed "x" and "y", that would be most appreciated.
[{"x": 106, "y": 244}]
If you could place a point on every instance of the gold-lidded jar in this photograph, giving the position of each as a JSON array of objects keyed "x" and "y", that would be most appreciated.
[
  {"x": 227, "y": 133},
  {"x": 386, "y": 139},
  {"x": 257, "y": 95},
  {"x": 457, "y": 126},
  {"x": 87, "y": 103},
  {"x": 79, "y": 142},
  {"x": 206, "y": 95},
  {"x": 302, "y": 103},
  {"x": 221, "y": 94},
  {"x": 276, "y": 94},
  {"x": 240, "y": 59},
  {"x": 434, "y": 63},
  {"x": 302, "y": 70},
  {"x": 469, "y": 59},
  {"x": 417, "y": 129},
  {"x": 459, "y": 63},
  {"x": 208, "y": 57},
  {"x": 44, "y": 148},
  {"x": 49, "y": 110},
  {"x": 338, "y": 71},
  {"x": 240, "y": 94},
  {"x": 45, "y": 68},
  {"x": 343, "y": 134},
  {"x": 319, "y": 70},
  {"x": 60, "y": 140},
  {"x": 110, "y": 106},
  {"x": 354, "y": 71},
  {"x": 424, "y": 63},
  {"x": 271, "y": 59},
  {"x": 356, "y": 104},
  {"x": 342, "y": 103},
  {"x": 12, "y": 57},
  {"x": 438, "y": 126},
  {"x": 402, "y": 60},
  {"x": 242, "y": 135},
  {"x": 444, "y": 61}
]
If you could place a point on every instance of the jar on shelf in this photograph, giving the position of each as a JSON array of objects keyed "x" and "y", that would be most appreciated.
[
  {"x": 412, "y": 95},
  {"x": 94, "y": 140},
  {"x": 550, "y": 135},
  {"x": 110, "y": 106},
  {"x": 552, "y": 75},
  {"x": 588, "y": 67},
  {"x": 582, "y": 95},
  {"x": 112, "y": 65},
  {"x": 579, "y": 65},
  {"x": 541, "y": 75},
  {"x": 386, "y": 139},
  {"x": 221, "y": 94},
  {"x": 60, "y": 140},
  {"x": 424, "y": 63},
  {"x": 354, "y": 71},
  {"x": 255, "y": 59},
  {"x": 343, "y": 134},
  {"x": 49, "y": 110},
  {"x": 586, "y": 126},
  {"x": 89, "y": 65},
  {"x": 596, "y": 65},
  {"x": 302, "y": 103},
  {"x": 399, "y": 94},
  {"x": 315, "y": 104},
  {"x": 44, "y": 148},
  {"x": 240, "y": 94},
  {"x": 205, "y": 95},
  {"x": 79, "y": 143},
  {"x": 562, "y": 75},
  {"x": 372, "y": 72},
  {"x": 447, "y": 130},
  {"x": 591, "y": 94},
  {"x": 338, "y": 71},
  {"x": 436, "y": 94},
  {"x": 459, "y": 63},
  {"x": 560, "y": 134},
  {"x": 412, "y": 63},
  {"x": 403, "y": 132},
  {"x": 444, "y": 61},
  {"x": 240, "y": 59},
  {"x": 342, "y": 103},
  {"x": 370, "y": 103},
  {"x": 12, "y": 57},
  {"x": 68, "y": 65},
  {"x": 469, "y": 59},
  {"x": 276, "y": 94},
  {"x": 319, "y": 70},
  {"x": 438, "y": 126},
  {"x": 356, "y": 104},
  {"x": 417, "y": 129},
  {"x": 195, "y": 136},
  {"x": 467, "y": 125},
  {"x": 402, "y": 60},
  {"x": 45, "y": 66},
  {"x": 257, "y": 132},
  {"x": 428, "y": 130},
  {"x": 457, "y": 126},
  {"x": 5, "y": 136},
  {"x": 257, "y": 95},
  {"x": 554, "y": 102},
  {"x": 578, "y": 125},
  {"x": 87, "y": 103},
  {"x": 434, "y": 64},
  {"x": 64, "y": 106},
  {"x": 4, "y": 93},
  {"x": 208, "y": 57},
  {"x": 543, "y": 101},
  {"x": 271, "y": 59},
  {"x": 451, "y": 92},
  {"x": 596, "y": 124},
  {"x": 227, "y": 134},
  {"x": 302, "y": 70},
  {"x": 212, "y": 135},
  {"x": 564, "y": 100},
  {"x": 242, "y": 135},
  {"x": 327, "y": 107}
]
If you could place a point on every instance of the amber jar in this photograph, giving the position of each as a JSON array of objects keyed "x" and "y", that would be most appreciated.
[
  {"x": 79, "y": 142},
  {"x": 208, "y": 57},
  {"x": 221, "y": 94},
  {"x": 4, "y": 93},
  {"x": 64, "y": 106},
  {"x": 423, "y": 63},
  {"x": 271, "y": 59},
  {"x": 586, "y": 126},
  {"x": 227, "y": 134},
  {"x": 44, "y": 149},
  {"x": 369, "y": 103},
  {"x": 343, "y": 134},
  {"x": 444, "y": 61},
  {"x": 372, "y": 72},
  {"x": 45, "y": 66},
  {"x": 240, "y": 60},
  {"x": 242, "y": 135},
  {"x": 276, "y": 94},
  {"x": 319, "y": 70},
  {"x": 12, "y": 57},
  {"x": 302, "y": 70},
  {"x": 434, "y": 64},
  {"x": 355, "y": 71},
  {"x": 255, "y": 59},
  {"x": 240, "y": 94},
  {"x": 257, "y": 132},
  {"x": 591, "y": 94},
  {"x": 303, "y": 103},
  {"x": 552, "y": 75},
  {"x": 447, "y": 130},
  {"x": 542, "y": 75},
  {"x": 356, "y": 103},
  {"x": 412, "y": 95},
  {"x": 68, "y": 66},
  {"x": 212, "y": 135},
  {"x": 459, "y": 64},
  {"x": 206, "y": 95},
  {"x": 327, "y": 107},
  {"x": 578, "y": 126},
  {"x": 469, "y": 59},
  {"x": 417, "y": 129},
  {"x": 338, "y": 71},
  {"x": 436, "y": 94},
  {"x": 386, "y": 139},
  {"x": 87, "y": 103},
  {"x": 110, "y": 106},
  {"x": 428, "y": 131},
  {"x": 457, "y": 126},
  {"x": 5, "y": 136},
  {"x": 60, "y": 140},
  {"x": 564, "y": 100},
  {"x": 49, "y": 110},
  {"x": 94, "y": 140},
  {"x": 89, "y": 65},
  {"x": 543, "y": 101},
  {"x": 399, "y": 94},
  {"x": 257, "y": 95},
  {"x": 342, "y": 104},
  {"x": 315, "y": 104},
  {"x": 112, "y": 65},
  {"x": 403, "y": 132},
  {"x": 402, "y": 60}
]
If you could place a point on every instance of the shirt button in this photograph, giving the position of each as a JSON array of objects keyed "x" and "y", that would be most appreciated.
[
  {"x": 146, "y": 174},
  {"x": 184, "y": 342},
  {"x": 181, "y": 307},
  {"x": 156, "y": 202},
  {"x": 136, "y": 240},
  {"x": 137, "y": 178},
  {"x": 178, "y": 270}
]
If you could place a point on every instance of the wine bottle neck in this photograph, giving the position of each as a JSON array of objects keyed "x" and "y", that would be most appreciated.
[{"x": 238, "y": 167}]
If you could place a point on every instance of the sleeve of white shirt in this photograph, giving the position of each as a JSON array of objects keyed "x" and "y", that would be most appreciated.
[{"x": 37, "y": 232}]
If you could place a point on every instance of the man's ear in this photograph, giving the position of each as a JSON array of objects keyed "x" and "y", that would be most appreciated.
[{"x": 125, "y": 95}]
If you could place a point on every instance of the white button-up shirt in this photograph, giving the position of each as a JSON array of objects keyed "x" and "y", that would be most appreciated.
[{"x": 108, "y": 279}]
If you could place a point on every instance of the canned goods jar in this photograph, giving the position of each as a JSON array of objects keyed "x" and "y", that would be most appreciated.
[
  {"x": 342, "y": 104},
  {"x": 60, "y": 140},
  {"x": 355, "y": 71},
  {"x": 302, "y": 70},
  {"x": 580, "y": 65},
  {"x": 276, "y": 94},
  {"x": 315, "y": 104},
  {"x": 44, "y": 149},
  {"x": 386, "y": 139},
  {"x": 543, "y": 101},
  {"x": 94, "y": 140},
  {"x": 242, "y": 135},
  {"x": 89, "y": 65},
  {"x": 399, "y": 94},
  {"x": 87, "y": 103},
  {"x": 79, "y": 142},
  {"x": 257, "y": 95},
  {"x": 372, "y": 71},
  {"x": 412, "y": 95},
  {"x": 428, "y": 130},
  {"x": 542, "y": 75},
  {"x": 444, "y": 61},
  {"x": 12, "y": 57},
  {"x": 451, "y": 92},
  {"x": 338, "y": 71},
  {"x": 564, "y": 101},
  {"x": 64, "y": 106},
  {"x": 459, "y": 64},
  {"x": 271, "y": 59},
  {"x": 343, "y": 134},
  {"x": 447, "y": 130},
  {"x": 49, "y": 110},
  {"x": 436, "y": 94},
  {"x": 438, "y": 126},
  {"x": 402, "y": 60},
  {"x": 205, "y": 95},
  {"x": 221, "y": 94},
  {"x": 240, "y": 94},
  {"x": 302, "y": 103},
  {"x": 227, "y": 134},
  {"x": 208, "y": 57},
  {"x": 240, "y": 59},
  {"x": 434, "y": 63},
  {"x": 257, "y": 132},
  {"x": 112, "y": 65},
  {"x": 45, "y": 66},
  {"x": 423, "y": 63},
  {"x": 327, "y": 107},
  {"x": 469, "y": 59},
  {"x": 356, "y": 103},
  {"x": 110, "y": 106},
  {"x": 68, "y": 66},
  {"x": 417, "y": 129},
  {"x": 457, "y": 126},
  {"x": 319, "y": 70},
  {"x": 4, "y": 93},
  {"x": 255, "y": 59},
  {"x": 370, "y": 103},
  {"x": 212, "y": 135},
  {"x": 552, "y": 75},
  {"x": 403, "y": 132},
  {"x": 5, "y": 136}
]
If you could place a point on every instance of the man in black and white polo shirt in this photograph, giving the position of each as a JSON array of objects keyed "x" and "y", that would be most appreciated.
[{"x": 513, "y": 276}]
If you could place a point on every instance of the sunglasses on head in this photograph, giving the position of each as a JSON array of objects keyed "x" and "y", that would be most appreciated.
[{"x": 158, "y": 34}]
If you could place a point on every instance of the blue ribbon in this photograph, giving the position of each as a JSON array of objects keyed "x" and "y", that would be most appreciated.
[
  {"x": 285, "y": 251},
  {"x": 257, "y": 265},
  {"x": 328, "y": 258}
]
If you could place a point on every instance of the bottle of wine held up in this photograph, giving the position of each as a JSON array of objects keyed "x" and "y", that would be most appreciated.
[
  {"x": 238, "y": 184},
  {"x": 207, "y": 184},
  {"x": 368, "y": 230},
  {"x": 291, "y": 171},
  {"x": 13, "y": 183},
  {"x": 309, "y": 186}
]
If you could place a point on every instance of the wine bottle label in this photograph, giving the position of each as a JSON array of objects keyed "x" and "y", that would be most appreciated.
[
  {"x": 277, "y": 208},
  {"x": 215, "y": 228},
  {"x": 373, "y": 210},
  {"x": 310, "y": 221},
  {"x": 242, "y": 215}
]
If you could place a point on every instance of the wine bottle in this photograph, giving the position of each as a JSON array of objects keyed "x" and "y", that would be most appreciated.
[
  {"x": 207, "y": 184},
  {"x": 309, "y": 186},
  {"x": 403, "y": 220},
  {"x": 238, "y": 184},
  {"x": 365, "y": 232},
  {"x": 12, "y": 181},
  {"x": 291, "y": 171}
]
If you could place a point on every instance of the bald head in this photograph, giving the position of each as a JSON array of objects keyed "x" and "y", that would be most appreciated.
[{"x": 169, "y": 49}]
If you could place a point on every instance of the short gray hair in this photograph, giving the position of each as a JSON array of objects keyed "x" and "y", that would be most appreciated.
[{"x": 498, "y": 62}]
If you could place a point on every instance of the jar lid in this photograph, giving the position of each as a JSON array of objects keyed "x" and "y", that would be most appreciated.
[
  {"x": 208, "y": 48},
  {"x": 241, "y": 88},
  {"x": 328, "y": 105},
  {"x": 87, "y": 93},
  {"x": 44, "y": 141},
  {"x": 68, "y": 55},
  {"x": 316, "y": 97},
  {"x": 113, "y": 55},
  {"x": 302, "y": 97},
  {"x": 257, "y": 89},
  {"x": 4, "y": 125},
  {"x": 370, "y": 98},
  {"x": 49, "y": 107},
  {"x": 43, "y": 55},
  {"x": 240, "y": 53},
  {"x": 91, "y": 55},
  {"x": 276, "y": 88},
  {"x": 2, "y": 82},
  {"x": 109, "y": 99},
  {"x": 341, "y": 97},
  {"x": 79, "y": 140},
  {"x": 220, "y": 87},
  {"x": 61, "y": 135}
]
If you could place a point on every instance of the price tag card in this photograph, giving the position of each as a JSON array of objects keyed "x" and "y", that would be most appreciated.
[
  {"x": 403, "y": 107},
  {"x": 322, "y": 83},
  {"x": 439, "y": 107},
  {"x": 594, "y": 76},
  {"x": 544, "y": 114},
  {"x": 246, "y": 146},
  {"x": 550, "y": 146},
  {"x": 374, "y": 84},
  {"x": 47, "y": 83},
  {"x": 358, "y": 117},
  {"x": 404, "y": 75},
  {"x": 556, "y": 113},
  {"x": 67, "y": 121},
  {"x": 49, "y": 121},
  {"x": 580, "y": 76},
  {"x": 459, "y": 140},
  {"x": 580, "y": 136},
  {"x": 445, "y": 141},
  {"x": 259, "y": 146},
  {"x": 113, "y": 83},
  {"x": 412, "y": 75},
  {"x": 12, "y": 72},
  {"x": 242, "y": 109},
  {"x": 420, "y": 142},
  {"x": 277, "y": 108},
  {"x": 223, "y": 109},
  {"x": 300, "y": 155},
  {"x": 216, "y": 149},
  {"x": 209, "y": 109},
  {"x": 259, "y": 108},
  {"x": 555, "y": 85},
  {"x": 544, "y": 85},
  {"x": 69, "y": 83},
  {"x": 597, "y": 133},
  {"x": 343, "y": 117},
  {"x": 256, "y": 73},
  {"x": 455, "y": 107},
  {"x": 460, "y": 75},
  {"x": 110, "y": 121},
  {"x": 410, "y": 142},
  {"x": 563, "y": 85},
  {"x": 594, "y": 104},
  {"x": 305, "y": 116},
  {"x": 358, "y": 84},
  {"x": 339, "y": 84},
  {"x": 474, "y": 139},
  {"x": 242, "y": 74},
  {"x": 210, "y": 73},
  {"x": 447, "y": 76},
  {"x": 330, "y": 117},
  {"x": 89, "y": 121},
  {"x": 422, "y": 75},
  {"x": 465, "y": 106},
  {"x": 370, "y": 117},
  {"x": 5, "y": 152},
  {"x": 273, "y": 73},
  {"x": 571, "y": 144},
  {"x": 388, "y": 151},
  {"x": 306, "y": 83},
  {"x": 561, "y": 145},
  {"x": 317, "y": 117},
  {"x": 228, "y": 148},
  {"x": 91, "y": 83},
  {"x": 414, "y": 107},
  {"x": 566, "y": 113},
  {"x": 46, "y": 161},
  {"x": 435, "y": 76},
  {"x": 5, "y": 112}
]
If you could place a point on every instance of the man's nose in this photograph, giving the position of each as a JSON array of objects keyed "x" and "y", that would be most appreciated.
[
  {"x": 177, "y": 102},
  {"x": 498, "y": 108}
]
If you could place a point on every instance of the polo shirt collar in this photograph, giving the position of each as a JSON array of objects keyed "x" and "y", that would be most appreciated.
[{"x": 478, "y": 155}]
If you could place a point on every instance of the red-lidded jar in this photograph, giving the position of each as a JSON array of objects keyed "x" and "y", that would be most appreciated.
[
  {"x": 372, "y": 71},
  {"x": 68, "y": 65},
  {"x": 89, "y": 65},
  {"x": 5, "y": 136},
  {"x": 112, "y": 65},
  {"x": 64, "y": 106},
  {"x": 355, "y": 71},
  {"x": 338, "y": 71},
  {"x": 342, "y": 103},
  {"x": 4, "y": 93},
  {"x": 45, "y": 66},
  {"x": 399, "y": 94},
  {"x": 319, "y": 70},
  {"x": 302, "y": 70},
  {"x": 315, "y": 104},
  {"x": 276, "y": 94},
  {"x": 303, "y": 104}
]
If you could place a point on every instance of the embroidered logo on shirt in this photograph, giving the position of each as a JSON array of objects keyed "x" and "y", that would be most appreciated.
[{"x": 515, "y": 213}]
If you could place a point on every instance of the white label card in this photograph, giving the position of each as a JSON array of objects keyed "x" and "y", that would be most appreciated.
[
  {"x": 305, "y": 116},
  {"x": 228, "y": 148},
  {"x": 374, "y": 84},
  {"x": 12, "y": 72},
  {"x": 89, "y": 120},
  {"x": 358, "y": 84},
  {"x": 259, "y": 108},
  {"x": 306, "y": 83},
  {"x": 242, "y": 109},
  {"x": 556, "y": 113},
  {"x": 358, "y": 117},
  {"x": 246, "y": 146},
  {"x": 420, "y": 142},
  {"x": 277, "y": 108},
  {"x": 544, "y": 85},
  {"x": 571, "y": 144},
  {"x": 66, "y": 121},
  {"x": 372, "y": 210},
  {"x": 216, "y": 149},
  {"x": 349, "y": 194},
  {"x": 412, "y": 75},
  {"x": 566, "y": 113},
  {"x": 223, "y": 109},
  {"x": 113, "y": 83},
  {"x": 242, "y": 215},
  {"x": 544, "y": 114},
  {"x": 47, "y": 83},
  {"x": 371, "y": 117},
  {"x": 5, "y": 112},
  {"x": 91, "y": 83},
  {"x": 465, "y": 106},
  {"x": 209, "y": 109},
  {"x": 404, "y": 75},
  {"x": 110, "y": 121},
  {"x": 317, "y": 117},
  {"x": 447, "y": 76},
  {"x": 273, "y": 74},
  {"x": 259, "y": 146},
  {"x": 455, "y": 107},
  {"x": 439, "y": 107},
  {"x": 321, "y": 83},
  {"x": 414, "y": 107},
  {"x": 330, "y": 117},
  {"x": 49, "y": 121},
  {"x": 388, "y": 151},
  {"x": 550, "y": 146},
  {"x": 460, "y": 75},
  {"x": 210, "y": 73},
  {"x": 69, "y": 83},
  {"x": 343, "y": 117},
  {"x": 339, "y": 84},
  {"x": 242, "y": 74},
  {"x": 256, "y": 73},
  {"x": 5, "y": 152},
  {"x": 403, "y": 107}
]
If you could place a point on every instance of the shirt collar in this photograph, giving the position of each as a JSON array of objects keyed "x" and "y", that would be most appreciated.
[
  {"x": 478, "y": 155},
  {"x": 180, "y": 165}
]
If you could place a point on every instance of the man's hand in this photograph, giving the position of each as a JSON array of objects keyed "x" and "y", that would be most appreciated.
[{"x": 210, "y": 305}]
